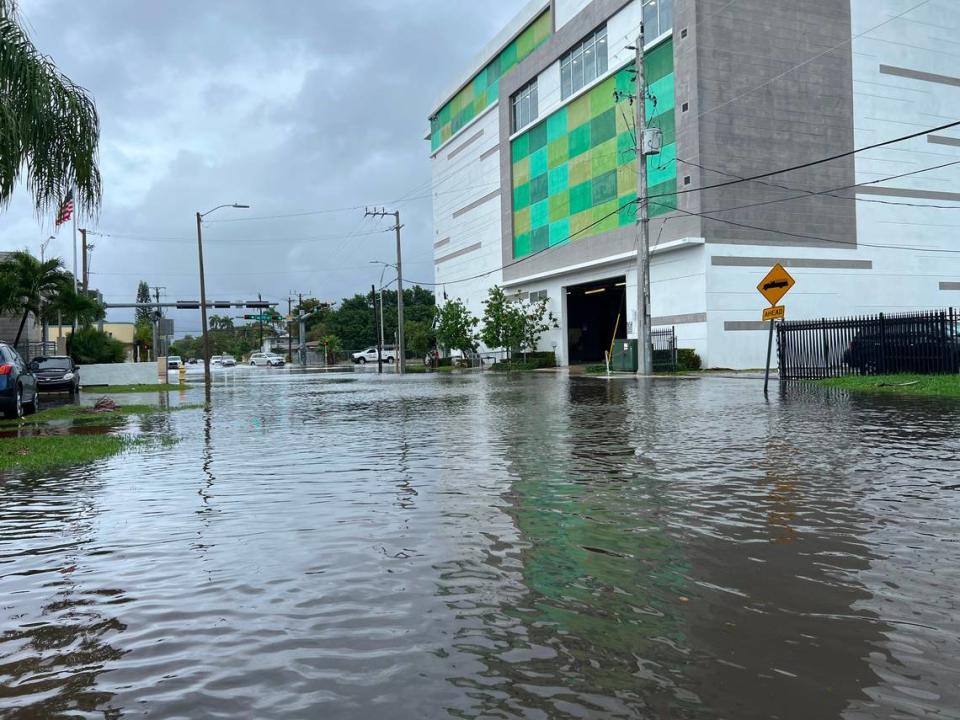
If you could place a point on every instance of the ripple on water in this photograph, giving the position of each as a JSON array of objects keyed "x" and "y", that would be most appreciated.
[{"x": 475, "y": 546}]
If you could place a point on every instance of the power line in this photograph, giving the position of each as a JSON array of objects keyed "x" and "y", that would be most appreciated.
[
  {"x": 812, "y": 163},
  {"x": 830, "y": 192}
]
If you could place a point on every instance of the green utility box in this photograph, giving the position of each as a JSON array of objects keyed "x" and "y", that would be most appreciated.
[{"x": 624, "y": 356}]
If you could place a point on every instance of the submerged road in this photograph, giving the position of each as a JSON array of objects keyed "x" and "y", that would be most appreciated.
[{"x": 540, "y": 546}]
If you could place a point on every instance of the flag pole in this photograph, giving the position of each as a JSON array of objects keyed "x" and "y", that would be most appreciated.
[{"x": 74, "y": 216}]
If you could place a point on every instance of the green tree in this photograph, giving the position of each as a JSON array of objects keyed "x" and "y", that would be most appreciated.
[
  {"x": 537, "y": 319},
  {"x": 221, "y": 322},
  {"x": 73, "y": 306},
  {"x": 352, "y": 322},
  {"x": 49, "y": 128},
  {"x": 456, "y": 327},
  {"x": 143, "y": 314},
  {"x": 503, "y": 321},
  {"x": 89, "y": 345},
  {"x": 420, "y": 336},
  {"x": 331, "y": 346},
  {"x": 143, "y": 338},
  {"x": 30, "y": 283}
]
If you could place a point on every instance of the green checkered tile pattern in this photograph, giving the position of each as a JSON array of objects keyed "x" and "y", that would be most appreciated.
[
  {"x": 484, "y": 88},
  {"x": 574, "y": 172}
]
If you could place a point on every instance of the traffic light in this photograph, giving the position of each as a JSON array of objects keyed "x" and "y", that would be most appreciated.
[{"x": 188, "y": 305}]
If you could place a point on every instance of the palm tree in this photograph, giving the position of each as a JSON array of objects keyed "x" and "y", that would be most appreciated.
[
  {"x": 75, "y": 306},
  {"x": 49, "y": 128},
  {"x": 30, "y": 282},
  {"x": 221, "y": 322}
]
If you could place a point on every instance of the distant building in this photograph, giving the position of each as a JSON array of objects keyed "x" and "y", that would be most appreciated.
[
  {"x": 533, "y": 166},
  {"x": 123, "y": 331}
]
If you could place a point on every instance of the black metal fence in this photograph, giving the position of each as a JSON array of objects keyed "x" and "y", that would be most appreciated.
[
  {"x": 918, "y": 342},
  {"x": 664, "y": 341}
]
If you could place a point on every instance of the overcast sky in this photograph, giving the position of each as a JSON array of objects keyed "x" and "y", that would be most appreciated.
[{"x": 290, "y": 106}]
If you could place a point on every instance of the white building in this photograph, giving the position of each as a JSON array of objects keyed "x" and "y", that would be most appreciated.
[{"x": 533, "y": 166}]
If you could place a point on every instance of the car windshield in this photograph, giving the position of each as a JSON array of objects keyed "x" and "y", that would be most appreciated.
[{"x": 51, "y": 364}]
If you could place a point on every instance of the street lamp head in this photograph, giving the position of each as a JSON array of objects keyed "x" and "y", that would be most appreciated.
[{"x": 237, "y": 205}]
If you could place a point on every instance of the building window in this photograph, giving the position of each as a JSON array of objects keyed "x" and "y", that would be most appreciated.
[
  {"x": 585, "y": 62},
  {"x": 657, "y": 18},
  {"x": 538, "y": 295},
  {"x": 525, "y": 105}
]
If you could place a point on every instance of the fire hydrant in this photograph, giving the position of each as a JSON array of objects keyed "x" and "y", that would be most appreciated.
[{"x": 182, "y": 374}]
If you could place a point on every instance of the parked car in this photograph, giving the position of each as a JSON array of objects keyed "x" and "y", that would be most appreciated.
[
  {"x": 56, "y": 374},
  {"x": 905, "y": 347},
  {"x": 174, "y": 362},
  {"x": 18, "y": 386},
  {"x": 229, "y": 360},
  {"x": 268, "y": 359},
  {"x": 370, "y": 355}
]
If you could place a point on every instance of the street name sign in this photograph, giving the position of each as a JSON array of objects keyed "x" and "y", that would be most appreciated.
[
  {"x": 777, "y": 312},
  {"x": 776, "y": 284}
]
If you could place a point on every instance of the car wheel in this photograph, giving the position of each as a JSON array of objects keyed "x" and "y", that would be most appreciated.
[
  {"x": 16, "y": 412},
  {"x": 33, "y": 407},
  {"x": 362, "y": 361},
  {"x": 389, "y": 360}
]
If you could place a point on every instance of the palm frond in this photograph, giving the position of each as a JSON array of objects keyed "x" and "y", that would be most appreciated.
[{"x": 49, "y": 127}]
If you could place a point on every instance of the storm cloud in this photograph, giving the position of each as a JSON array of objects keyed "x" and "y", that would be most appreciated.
[{"x": 292, "y": 107}]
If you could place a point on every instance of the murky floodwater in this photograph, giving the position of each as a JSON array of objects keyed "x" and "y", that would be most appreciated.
[{"x": 492, "y": 547}]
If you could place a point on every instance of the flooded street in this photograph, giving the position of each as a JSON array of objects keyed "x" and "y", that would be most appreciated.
[{"x": 495, "y": 547}]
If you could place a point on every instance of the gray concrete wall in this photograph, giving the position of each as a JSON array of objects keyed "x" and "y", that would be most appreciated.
[
  {"x": 119, "y": 374},
  {"x": 807, "y": 114}
]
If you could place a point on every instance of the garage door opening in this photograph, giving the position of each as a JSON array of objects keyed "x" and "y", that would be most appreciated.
[{"x": 596, "y": 315}]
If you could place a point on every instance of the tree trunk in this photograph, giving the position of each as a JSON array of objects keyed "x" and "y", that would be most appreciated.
[{"x": 23, "y": 321}]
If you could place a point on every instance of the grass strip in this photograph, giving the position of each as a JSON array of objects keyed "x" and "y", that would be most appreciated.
[
  {"x": 141, "y": 388},
  {"x": 946, "y": 386},
  {"x": 86, "y": 415},
  {"x": 38, "y": 453}
]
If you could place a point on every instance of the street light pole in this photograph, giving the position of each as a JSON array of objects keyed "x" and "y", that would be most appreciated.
[{"x": 203, "y": 295}]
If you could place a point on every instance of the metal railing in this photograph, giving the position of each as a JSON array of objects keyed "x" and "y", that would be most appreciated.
[
  {"x": 664, "y": 341},
  {"x": 919, "y": 342}
]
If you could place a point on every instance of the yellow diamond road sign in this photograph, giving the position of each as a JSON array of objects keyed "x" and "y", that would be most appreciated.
[{"x": 776, "y": 284}]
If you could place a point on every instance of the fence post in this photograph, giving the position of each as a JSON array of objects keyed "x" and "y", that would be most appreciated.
[
  {"x": 883, "y": 346},
  {"x": 673, "y": 342}
]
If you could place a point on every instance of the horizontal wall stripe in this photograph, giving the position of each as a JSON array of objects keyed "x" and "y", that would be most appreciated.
[
  {"x": 458, "y": 253},
  {"x": 791, "y": 262},
  {"x": 950, "y": 285},
  {"x": 441, "y": 243},
  {"x": 919, "y": 75},
  {"x": 492, "y": 151},
  {"x": 738, "y": 325},
  {"x": 943, "y": 140},
  {"x": 907, "y": 192},
  {"x": 477, "y": 203},
  {"x": 469, "y": 141},
  {"x": 679, "y": 319}
]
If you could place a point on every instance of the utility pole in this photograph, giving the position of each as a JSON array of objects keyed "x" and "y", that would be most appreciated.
[
  {"x": 302, "y": 336},
  {"x": 645, "y": 351},
  {"x": 289, "y": 329},
  {"x": 376, "y": 326},
  {"x": 401, "y": 350},
  {"x": 158, "y": 315},
  {"x": 260, "y": 321}
]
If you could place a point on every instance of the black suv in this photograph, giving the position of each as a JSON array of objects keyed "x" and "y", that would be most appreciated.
[
  {"x": 18, "y": 386},
  {"x": 56, "y": 374},
  {"x": 904, "y": 347}
]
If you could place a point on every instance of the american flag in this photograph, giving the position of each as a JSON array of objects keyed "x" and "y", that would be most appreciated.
[{"x": 66, "y": 209}]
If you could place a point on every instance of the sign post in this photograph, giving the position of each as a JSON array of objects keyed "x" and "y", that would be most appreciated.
[{"x": 773, "y": 287}]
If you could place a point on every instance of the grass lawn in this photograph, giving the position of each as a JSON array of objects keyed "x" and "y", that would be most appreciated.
[
  {"x": 928, "y": 385},
  {"x": 36, "y": 453},
  {"x": 49, "y": 451},
  {"x": 144, "y": 388}
]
